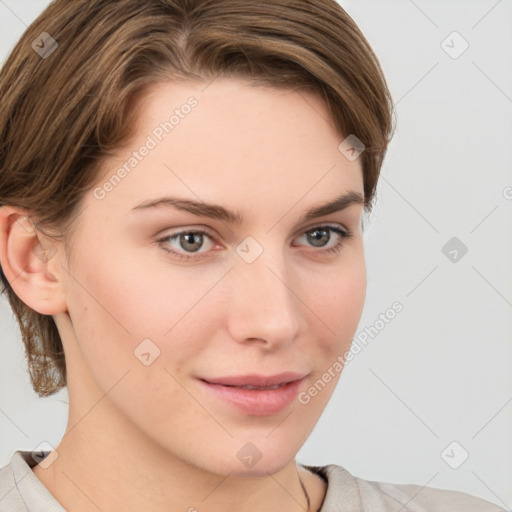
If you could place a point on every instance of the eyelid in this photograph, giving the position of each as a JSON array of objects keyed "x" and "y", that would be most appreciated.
[{"x": 323, "y": 223}]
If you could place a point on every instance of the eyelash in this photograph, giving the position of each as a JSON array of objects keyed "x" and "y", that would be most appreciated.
[{"x": 345, "y": 234}]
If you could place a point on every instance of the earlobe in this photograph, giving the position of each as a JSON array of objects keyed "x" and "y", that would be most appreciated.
[{"x": 31, "y": 262}]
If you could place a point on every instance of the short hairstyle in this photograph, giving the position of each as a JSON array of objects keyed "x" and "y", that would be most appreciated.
[{"x": 62, "y": 115}]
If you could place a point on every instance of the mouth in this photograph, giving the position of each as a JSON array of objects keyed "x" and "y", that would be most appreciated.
[
  {"x": 248, "y": 386},
  {"x": 256, "y": 395},
  {"x": 256, "y": 381}
]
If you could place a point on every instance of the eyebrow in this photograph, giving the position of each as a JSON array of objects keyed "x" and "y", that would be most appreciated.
[{"x": 215, "y": 211}]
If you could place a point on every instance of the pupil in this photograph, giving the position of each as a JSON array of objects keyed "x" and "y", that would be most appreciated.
[
  {"x": 192, "y": 235},
  {"x": 324, "y": 233}
]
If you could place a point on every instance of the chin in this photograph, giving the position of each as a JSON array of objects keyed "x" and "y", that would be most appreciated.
[
  {"x": 260, "y": 469},
  {"x": 250, "y": 463}
]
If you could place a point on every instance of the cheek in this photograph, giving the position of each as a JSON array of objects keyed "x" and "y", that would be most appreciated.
[
  {"x": 110, "y": 309},
  {"x": 336, "y": 299},
  {"x": 115, "y": 312},
  {"x": 128, "y": 291},
  {"x": 337, "y": 315},
  {"x": 127, "y": 313}
]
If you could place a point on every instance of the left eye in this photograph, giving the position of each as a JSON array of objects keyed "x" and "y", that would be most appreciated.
[{"x": 192, "y": 240}]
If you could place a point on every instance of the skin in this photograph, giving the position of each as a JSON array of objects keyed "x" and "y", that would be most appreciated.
[{"x": 150, "y": 437}]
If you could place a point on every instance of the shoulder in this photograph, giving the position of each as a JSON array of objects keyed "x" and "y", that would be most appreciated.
[
  {"x": 422, "y": 499},
  {"x": 20, "y": 489},
  {"x": 10, "y": 498},
  {"x": 348, "y": 492}
]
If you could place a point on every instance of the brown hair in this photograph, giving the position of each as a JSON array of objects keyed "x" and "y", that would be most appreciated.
[{"x": 61, "y": 115}]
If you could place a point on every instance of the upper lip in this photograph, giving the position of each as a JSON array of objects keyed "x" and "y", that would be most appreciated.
[{"x": 256, "y": 380}]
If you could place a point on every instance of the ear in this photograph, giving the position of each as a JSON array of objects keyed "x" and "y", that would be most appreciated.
[{"x": 31, "y": 262}]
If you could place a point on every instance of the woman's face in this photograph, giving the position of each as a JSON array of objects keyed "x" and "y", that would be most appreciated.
[{"x": 261, "y": 293}]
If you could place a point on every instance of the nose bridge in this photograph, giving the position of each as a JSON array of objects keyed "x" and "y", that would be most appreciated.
[{"x": 262, "y": 304}]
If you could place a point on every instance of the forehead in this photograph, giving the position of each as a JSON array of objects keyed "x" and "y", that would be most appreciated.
[{"x": 231, "y": 142}]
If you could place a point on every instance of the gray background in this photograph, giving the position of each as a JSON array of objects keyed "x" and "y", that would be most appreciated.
[{"x": 441, "y": 370}]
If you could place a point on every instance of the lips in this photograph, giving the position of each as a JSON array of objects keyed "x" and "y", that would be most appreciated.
[{"x": 257, "y": 395}]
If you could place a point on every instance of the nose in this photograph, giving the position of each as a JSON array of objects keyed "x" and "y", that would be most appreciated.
[{"x": 263, "y": 307}]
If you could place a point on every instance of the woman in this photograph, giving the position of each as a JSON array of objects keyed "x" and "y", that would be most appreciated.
[{"x": 178, "y": 239}]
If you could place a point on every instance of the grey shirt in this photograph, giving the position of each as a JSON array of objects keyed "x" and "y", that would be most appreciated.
[{"x": 22, "y": 491}]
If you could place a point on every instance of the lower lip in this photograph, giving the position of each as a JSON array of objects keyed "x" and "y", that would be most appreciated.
[{"x": 257, "y": 402}]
